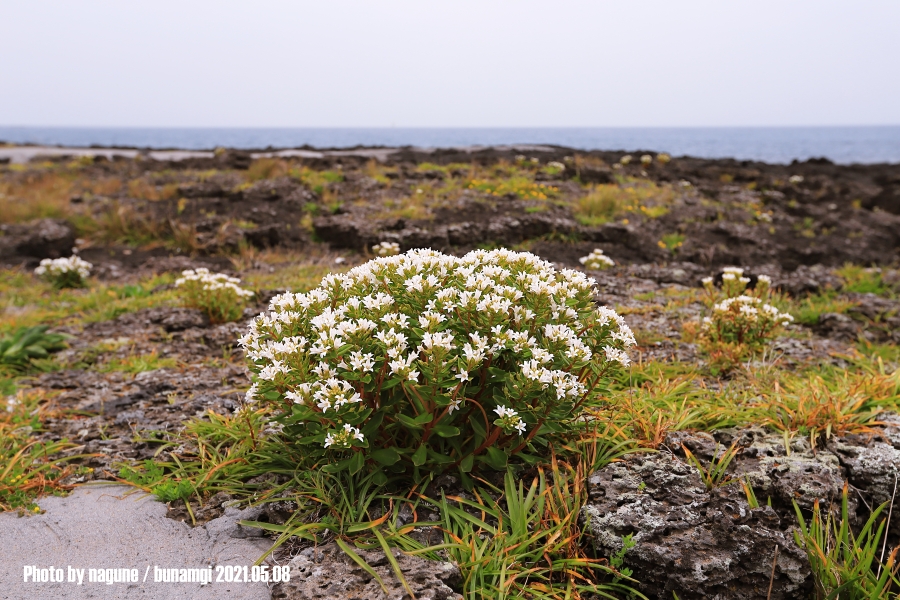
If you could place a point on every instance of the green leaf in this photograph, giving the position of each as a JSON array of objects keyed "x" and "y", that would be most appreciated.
[
  {"x": 446, "y": 431},
  {"x": 356, "y": 463},
  {"x": 341, "y": 465},
  {"x": 379, "y": 478},
  {"x": 419, "y": 456},
  {"x": 390, "y": 383},
  {"x": 423, "y": 419},
  {"x": 386, "y": 456},
  {"x": 478, "y": 427},
  {"x": 409, "y": 422},
  {"x": 441, "y": 459},
  {"x": 495, "y": 458},
  {"x": 467, "y": 463}
]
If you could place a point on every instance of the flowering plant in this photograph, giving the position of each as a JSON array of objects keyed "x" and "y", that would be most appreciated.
[
  {"x": 64, "y": 272},
  {"x": 386, "y": 249},
  {"x": 596, "y": 261},
  {"x": 741, "y": 316},
  {"x": 216, "y": 294},
  {"x": 424, "y": 361}
]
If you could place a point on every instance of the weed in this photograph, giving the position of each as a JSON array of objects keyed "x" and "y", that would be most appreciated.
[
  {"x": 28, "y": 468},
  {"x": 267, "y": 168},
  {"x": 842, "y": 403},
  {"x": 864, "y": 281},
  {"x": 672, "y": 242},
  {"x": 19, "y": 349},
  {"x": 519, "y": 186},
  {"x": 844, "y": 564},
  {"x": 138, "y": 363},
  {"x": 716, "y": 474},
  {"x": 606, "y": 202}
]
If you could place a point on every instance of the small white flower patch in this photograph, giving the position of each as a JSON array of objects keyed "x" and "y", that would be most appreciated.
[
  {"x": 386, "y": 249},
  {"x": 64, "y": 272},
  {"x": 596, "y": 261}
]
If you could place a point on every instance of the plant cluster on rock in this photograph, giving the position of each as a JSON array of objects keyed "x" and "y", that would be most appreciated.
[{"x": 425, "y": 362}]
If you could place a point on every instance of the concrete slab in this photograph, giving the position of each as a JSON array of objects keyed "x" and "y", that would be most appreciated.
[{"x": 111, "y": 526}]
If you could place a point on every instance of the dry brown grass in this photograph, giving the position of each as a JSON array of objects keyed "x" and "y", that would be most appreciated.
[
  {"x": 145, "y": 190},
  {"x": 267, "y": 168},
  {"x": 35, "y": 195}
]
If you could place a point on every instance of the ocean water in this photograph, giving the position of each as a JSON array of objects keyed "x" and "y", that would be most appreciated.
[{"x": 770, "y": 144}]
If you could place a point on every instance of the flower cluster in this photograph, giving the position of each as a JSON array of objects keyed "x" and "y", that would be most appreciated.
[
  {"x": 742, "y": 316},
  {"x": 646, "y": 159},
  {"x": 64, "y": 272},
  {"x": 386, "y": 249},
  {"x": 218, "y": 295},
  {"x": 596, "y": 261},
  {"x": 400, "y": 361}
]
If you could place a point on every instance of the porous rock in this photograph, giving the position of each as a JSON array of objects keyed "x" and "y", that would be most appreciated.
[
  {"x": 688, "y": 540},
  {"x": 327, "y": 573}
]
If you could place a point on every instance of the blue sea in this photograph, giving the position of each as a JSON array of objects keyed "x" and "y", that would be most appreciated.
[{"x": 770, "y": 144}]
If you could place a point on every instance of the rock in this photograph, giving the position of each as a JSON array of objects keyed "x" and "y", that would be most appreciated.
[
  {"x": 595, "y": 175},
  {"x": 177, "y": 319},
  {"x": 694, "y": 542},
  {"x": 203, "y": 189},
  {"x": 44, "y": 238},
  {"x": 807, "y": 280},
  {"x": 836, "y": 325},
  {"x": 327, "y": 573}
]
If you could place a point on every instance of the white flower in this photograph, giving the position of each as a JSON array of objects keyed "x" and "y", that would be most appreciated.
[
  {"x": 386, "y": 249},
  {"x": 596, "y": 260},
  {"x": 59, "y": 267}
]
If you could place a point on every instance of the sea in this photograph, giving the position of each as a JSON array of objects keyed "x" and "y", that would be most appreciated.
[{"x": 844, "y": 145}]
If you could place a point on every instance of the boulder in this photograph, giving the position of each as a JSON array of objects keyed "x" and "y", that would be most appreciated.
[{"x": 43, "y": 238}]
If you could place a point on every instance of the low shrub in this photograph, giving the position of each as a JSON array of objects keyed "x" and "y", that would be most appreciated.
[
  {"x": 741, "y": 323},
  {"x": 64, "y": 272},
  {"x": 596, "y": 261},
  {"x": 742, "y": 316},
  {"x": 216, "y": 294},
  {"x": 422, "y": 363},
  {"x": 386, "y": 249}
]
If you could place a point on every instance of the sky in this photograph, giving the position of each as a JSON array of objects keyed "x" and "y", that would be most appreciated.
[{"x": 459, "y": 63}]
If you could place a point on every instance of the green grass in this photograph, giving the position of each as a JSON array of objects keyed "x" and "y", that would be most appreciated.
[
  {"x": 137, "y": 363},
  {"x": 607, "y": 202},
  {"x": 28, "y": 301},
  {"x": 28, "y": 468},
  {"x": 846, "y": 564},
  {"x": 865, "y": 281},
  {"x": 807, "y": 311}
]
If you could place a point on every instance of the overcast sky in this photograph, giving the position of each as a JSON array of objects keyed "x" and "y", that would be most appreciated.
[{"x": 459, "y": 63}]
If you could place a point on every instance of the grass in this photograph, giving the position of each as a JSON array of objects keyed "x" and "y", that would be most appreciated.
[
  {"x": 28, "y": 301},
  {"x": 847, "y": 564},
  {"x": 610, "y": 201},
  {"x": 137, "y": 363},
  {"x": 29, "y": 468},
  {"x": 519, "y": 186},
  {"x": 865, "y": 281}
]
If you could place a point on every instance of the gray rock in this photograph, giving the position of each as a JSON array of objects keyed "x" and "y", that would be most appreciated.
[
  {"x": 44, "y": 238},
  {"x": 327, "y": 573},
  {"x": 694, "y": 542}
]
